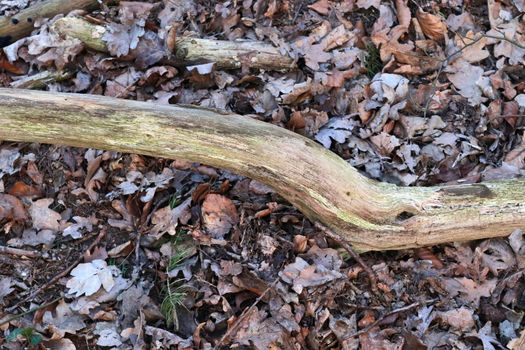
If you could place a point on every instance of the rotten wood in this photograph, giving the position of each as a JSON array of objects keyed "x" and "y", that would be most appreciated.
[
  {"x": 368, "y": 214},
  {"x": 20, "y": 25},
  {"x": 189, "y": 51},
  {"x": 41, "y": 80}
]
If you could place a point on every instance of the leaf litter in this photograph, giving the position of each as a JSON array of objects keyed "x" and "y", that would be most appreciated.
[{"x": 408, "y": 93}]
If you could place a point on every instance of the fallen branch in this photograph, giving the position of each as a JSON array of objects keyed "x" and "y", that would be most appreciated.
[
  {"x": 368, "y": 214},
  {"x": 41, "y": 80},
  {"x": 19, "y": 252},
  {"x": 20, "y": 25},
  {"x": 7, "y": 320},
  {"x": 188, "y": 51}
]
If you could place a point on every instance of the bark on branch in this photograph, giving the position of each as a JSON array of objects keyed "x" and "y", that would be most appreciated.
[
  {"x": 189, "y": 51},
  {"x": 369, "y": 214},
  {"x": 20, "y": 25}
]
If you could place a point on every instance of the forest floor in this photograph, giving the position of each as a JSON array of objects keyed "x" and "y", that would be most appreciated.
[{"x": 101, "y": 249}]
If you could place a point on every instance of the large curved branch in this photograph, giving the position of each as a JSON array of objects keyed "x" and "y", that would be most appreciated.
[{"x": 369, "y": 214}]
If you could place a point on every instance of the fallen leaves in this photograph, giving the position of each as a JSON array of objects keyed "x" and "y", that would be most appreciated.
[
  {"x": 442, "y": 103},
  {"x": 42, "y": 217},
  {"x": 432, "y": 26},
  {"x": 465, "y": 77},
  {"x": 219, "y": 215},
  {"x": 11, "y": 208},
  {"x": 89, "y": 277}
]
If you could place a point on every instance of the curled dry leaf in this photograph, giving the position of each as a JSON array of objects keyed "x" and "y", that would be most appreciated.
[
  {"x": 11, "y": 208},
  {"x": 219, "y": 215},
  {"x": 432, "y": 26}
]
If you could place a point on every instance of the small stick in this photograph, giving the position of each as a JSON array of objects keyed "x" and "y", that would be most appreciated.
[
  {"x": 60, "y": 275},
  {"x": 244, "y": 314},
  {"x": 19, "y": 252},
  {"x": 331, "y": 234},
  {"x": 388, "y": 314},
  {"x": 15, "y": 317},
  {"x": 41, "y": 80}
]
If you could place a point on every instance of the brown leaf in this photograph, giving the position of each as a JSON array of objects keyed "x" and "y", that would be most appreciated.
[
  {"x": 425, "y": 253},
  {"x": 33, "y": 172},
  {"x": 300, "y": 243},
  {"x": 497, "y": 255},
  {"x": 219, "y": 215},
  {"x": 469, "y": 290},
  {"x": 461, "y": 319},
  {"x": 11, "y": 67},
  {"x": 322, "y": 7},
  {"x": 403, "y": 13},
  {"x": 20, "y": 189},
  {"x": 432, "y": 26},
  {"x": 517, "y": 343},
  {"x": 11, "y": 208},
  {"x": 44, "y": 218},
  {"x": 336, "y": 38}
]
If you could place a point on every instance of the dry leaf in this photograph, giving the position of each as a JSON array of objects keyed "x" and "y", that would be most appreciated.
[
  {"x": 11, "y": 208},
  {"x": 461, "y": 319},
  {"x": 322, "y": 7},
  {"x": 432, "y": 26},
  {"x": 465, "y": 78},
  {"x": 44, "y": 218},
  {"x": 219, "y": 215},
  {"x": 469, "y": 290},
  {"x": 63, "y": 320},
  {"x": 88, "y": 278}
]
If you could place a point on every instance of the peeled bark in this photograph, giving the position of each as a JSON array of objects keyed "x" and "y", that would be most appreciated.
[
  {"x": 20, "y": 25},
  {"x": 189, "y": 51},
  {"x": 369, "y": 214}
]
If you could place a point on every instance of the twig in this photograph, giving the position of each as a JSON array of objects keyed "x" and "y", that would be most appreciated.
[
  {"x": 434, "y": 89},
  {"x": 388, "y": 314},
  {"x": 329, "y": 233},
  {"x": 509, "y": 116},
  {"x": 244, "y": 314},
  {"x": 60, "y": 275},
  {"x": 19, "y": 252},
  {"x": 12, "y": 318}
]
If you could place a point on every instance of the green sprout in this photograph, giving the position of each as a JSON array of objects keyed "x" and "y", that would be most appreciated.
[
  {"x": 372, "y": 62},
  {"x": 174, "y": 296},
  {"x": 173, "y": 293},
  {"x": 175, "y": 200}
]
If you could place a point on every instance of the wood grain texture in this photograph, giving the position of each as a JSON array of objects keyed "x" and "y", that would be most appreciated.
[
  {"x": 369, "y": 214},
  {"x": 189, "y": 51},
  {"x": 20, "y": 25}
]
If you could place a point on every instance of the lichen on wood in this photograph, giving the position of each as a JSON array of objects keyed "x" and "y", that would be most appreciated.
[
  {"x": 189, "y": 51},
  {"x": 369, "y": 214},
  {"x": 20, "y": 25}
]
